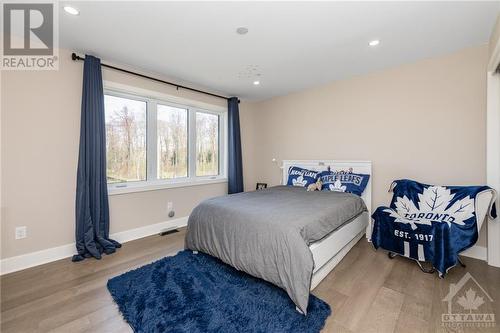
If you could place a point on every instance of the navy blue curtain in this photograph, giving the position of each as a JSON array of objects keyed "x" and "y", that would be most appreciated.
[
  {"x": 235, "y": 165},
  {"x": 92, "y": 209}
]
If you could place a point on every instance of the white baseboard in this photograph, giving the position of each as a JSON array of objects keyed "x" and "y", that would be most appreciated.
[
  {"x": 476, "y": 252},
  {"x": 132, "y": 234},
  {"x": 14, "y": 264}
]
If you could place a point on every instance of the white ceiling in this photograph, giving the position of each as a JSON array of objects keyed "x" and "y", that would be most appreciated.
[{"x": 292, "y": 45}]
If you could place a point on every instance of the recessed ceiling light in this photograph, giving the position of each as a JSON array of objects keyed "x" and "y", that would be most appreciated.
[
  {"x": 374, "y": 42},
  {"x": 256, "y": 83},
  {"x": 71, "y": 10},
  {"x": 242, "y": 31}
]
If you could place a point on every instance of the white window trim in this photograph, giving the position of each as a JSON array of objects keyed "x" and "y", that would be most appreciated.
[
  {"x": 153, "y": 99},
  {"x": 144, "y": 186}
]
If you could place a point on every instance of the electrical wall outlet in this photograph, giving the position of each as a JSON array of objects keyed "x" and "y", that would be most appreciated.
[
  {"x": 170, "y": 209},
  {"x": 21, "y": 232}
]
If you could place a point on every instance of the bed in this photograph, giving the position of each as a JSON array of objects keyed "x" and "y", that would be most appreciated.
[
  {"x": 284, "y": 235},
  {"x": 328, "y": 252}
]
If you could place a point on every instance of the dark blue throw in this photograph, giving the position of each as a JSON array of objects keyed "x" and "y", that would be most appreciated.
[
  {"x": 428, "y": 223},
  {"x": 199, "y": 293}
]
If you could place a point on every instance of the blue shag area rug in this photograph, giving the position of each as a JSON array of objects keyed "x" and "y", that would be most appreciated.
[{"x": 199, "y": 293}]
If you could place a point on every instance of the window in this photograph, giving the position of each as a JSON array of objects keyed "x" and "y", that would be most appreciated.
[
  {"x": 153, "y": 143},
  {"x": 125, "y": 139},
  {"x": 207, "y": 144},
  {"x": 172, "y": 142}
]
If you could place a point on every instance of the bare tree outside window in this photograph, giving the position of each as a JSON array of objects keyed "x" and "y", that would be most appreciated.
[
  {"x": 172, "y": 142},
  {"x": 207, "y": 144},
  {"x": 155, "y": 143},
  {"x": 125, "y": 139}
]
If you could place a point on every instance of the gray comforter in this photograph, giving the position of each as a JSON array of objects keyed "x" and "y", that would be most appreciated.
[{"x": 266, "y": 233}]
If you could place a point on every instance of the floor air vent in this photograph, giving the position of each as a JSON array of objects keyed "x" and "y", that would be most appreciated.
[{"x": 168, "y": 232}]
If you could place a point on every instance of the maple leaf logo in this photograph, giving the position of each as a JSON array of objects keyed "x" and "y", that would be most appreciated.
[
  {"x": 337, "y": 187},
  {"x": 470, "y": 301},
  {"x": 299, "y": 181},
  {"x": 432, "y": 206}
]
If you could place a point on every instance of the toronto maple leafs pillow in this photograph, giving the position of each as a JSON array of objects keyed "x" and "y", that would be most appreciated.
[
  {"x": 344, "y": 182},
  {"x": 301, "y": 177}
]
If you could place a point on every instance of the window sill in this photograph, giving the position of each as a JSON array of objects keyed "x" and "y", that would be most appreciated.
[{"x": 134, "y": 188}]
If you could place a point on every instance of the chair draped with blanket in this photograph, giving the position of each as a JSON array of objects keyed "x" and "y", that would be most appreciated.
[{"x": 430, "y": 223}]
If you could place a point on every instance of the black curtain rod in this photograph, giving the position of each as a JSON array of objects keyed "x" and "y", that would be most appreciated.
[{"x": 75, "y": 57}]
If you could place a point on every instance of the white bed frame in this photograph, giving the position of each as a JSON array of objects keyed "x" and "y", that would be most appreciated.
[{"x": 328, "y": 252}]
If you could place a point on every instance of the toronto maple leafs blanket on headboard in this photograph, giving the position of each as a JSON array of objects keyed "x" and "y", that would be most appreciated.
[{"x": 429, "y": 223}]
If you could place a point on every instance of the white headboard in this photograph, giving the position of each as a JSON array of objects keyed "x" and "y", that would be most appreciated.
[{"x": 364, "y": 167}]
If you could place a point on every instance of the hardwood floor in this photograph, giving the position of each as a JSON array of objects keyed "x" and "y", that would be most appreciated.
[{"x": 367, "y": 292}]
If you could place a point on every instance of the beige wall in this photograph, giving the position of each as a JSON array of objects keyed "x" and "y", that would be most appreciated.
[
  {"x": 424, "y": 121},
  {"x": 40, "y": 125},
  {"x": 249, "y": 141},
  {"x": 495, "y": 36}
]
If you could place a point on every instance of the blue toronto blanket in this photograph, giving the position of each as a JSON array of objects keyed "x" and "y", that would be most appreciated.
[{"x": 429, "y": 223}]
